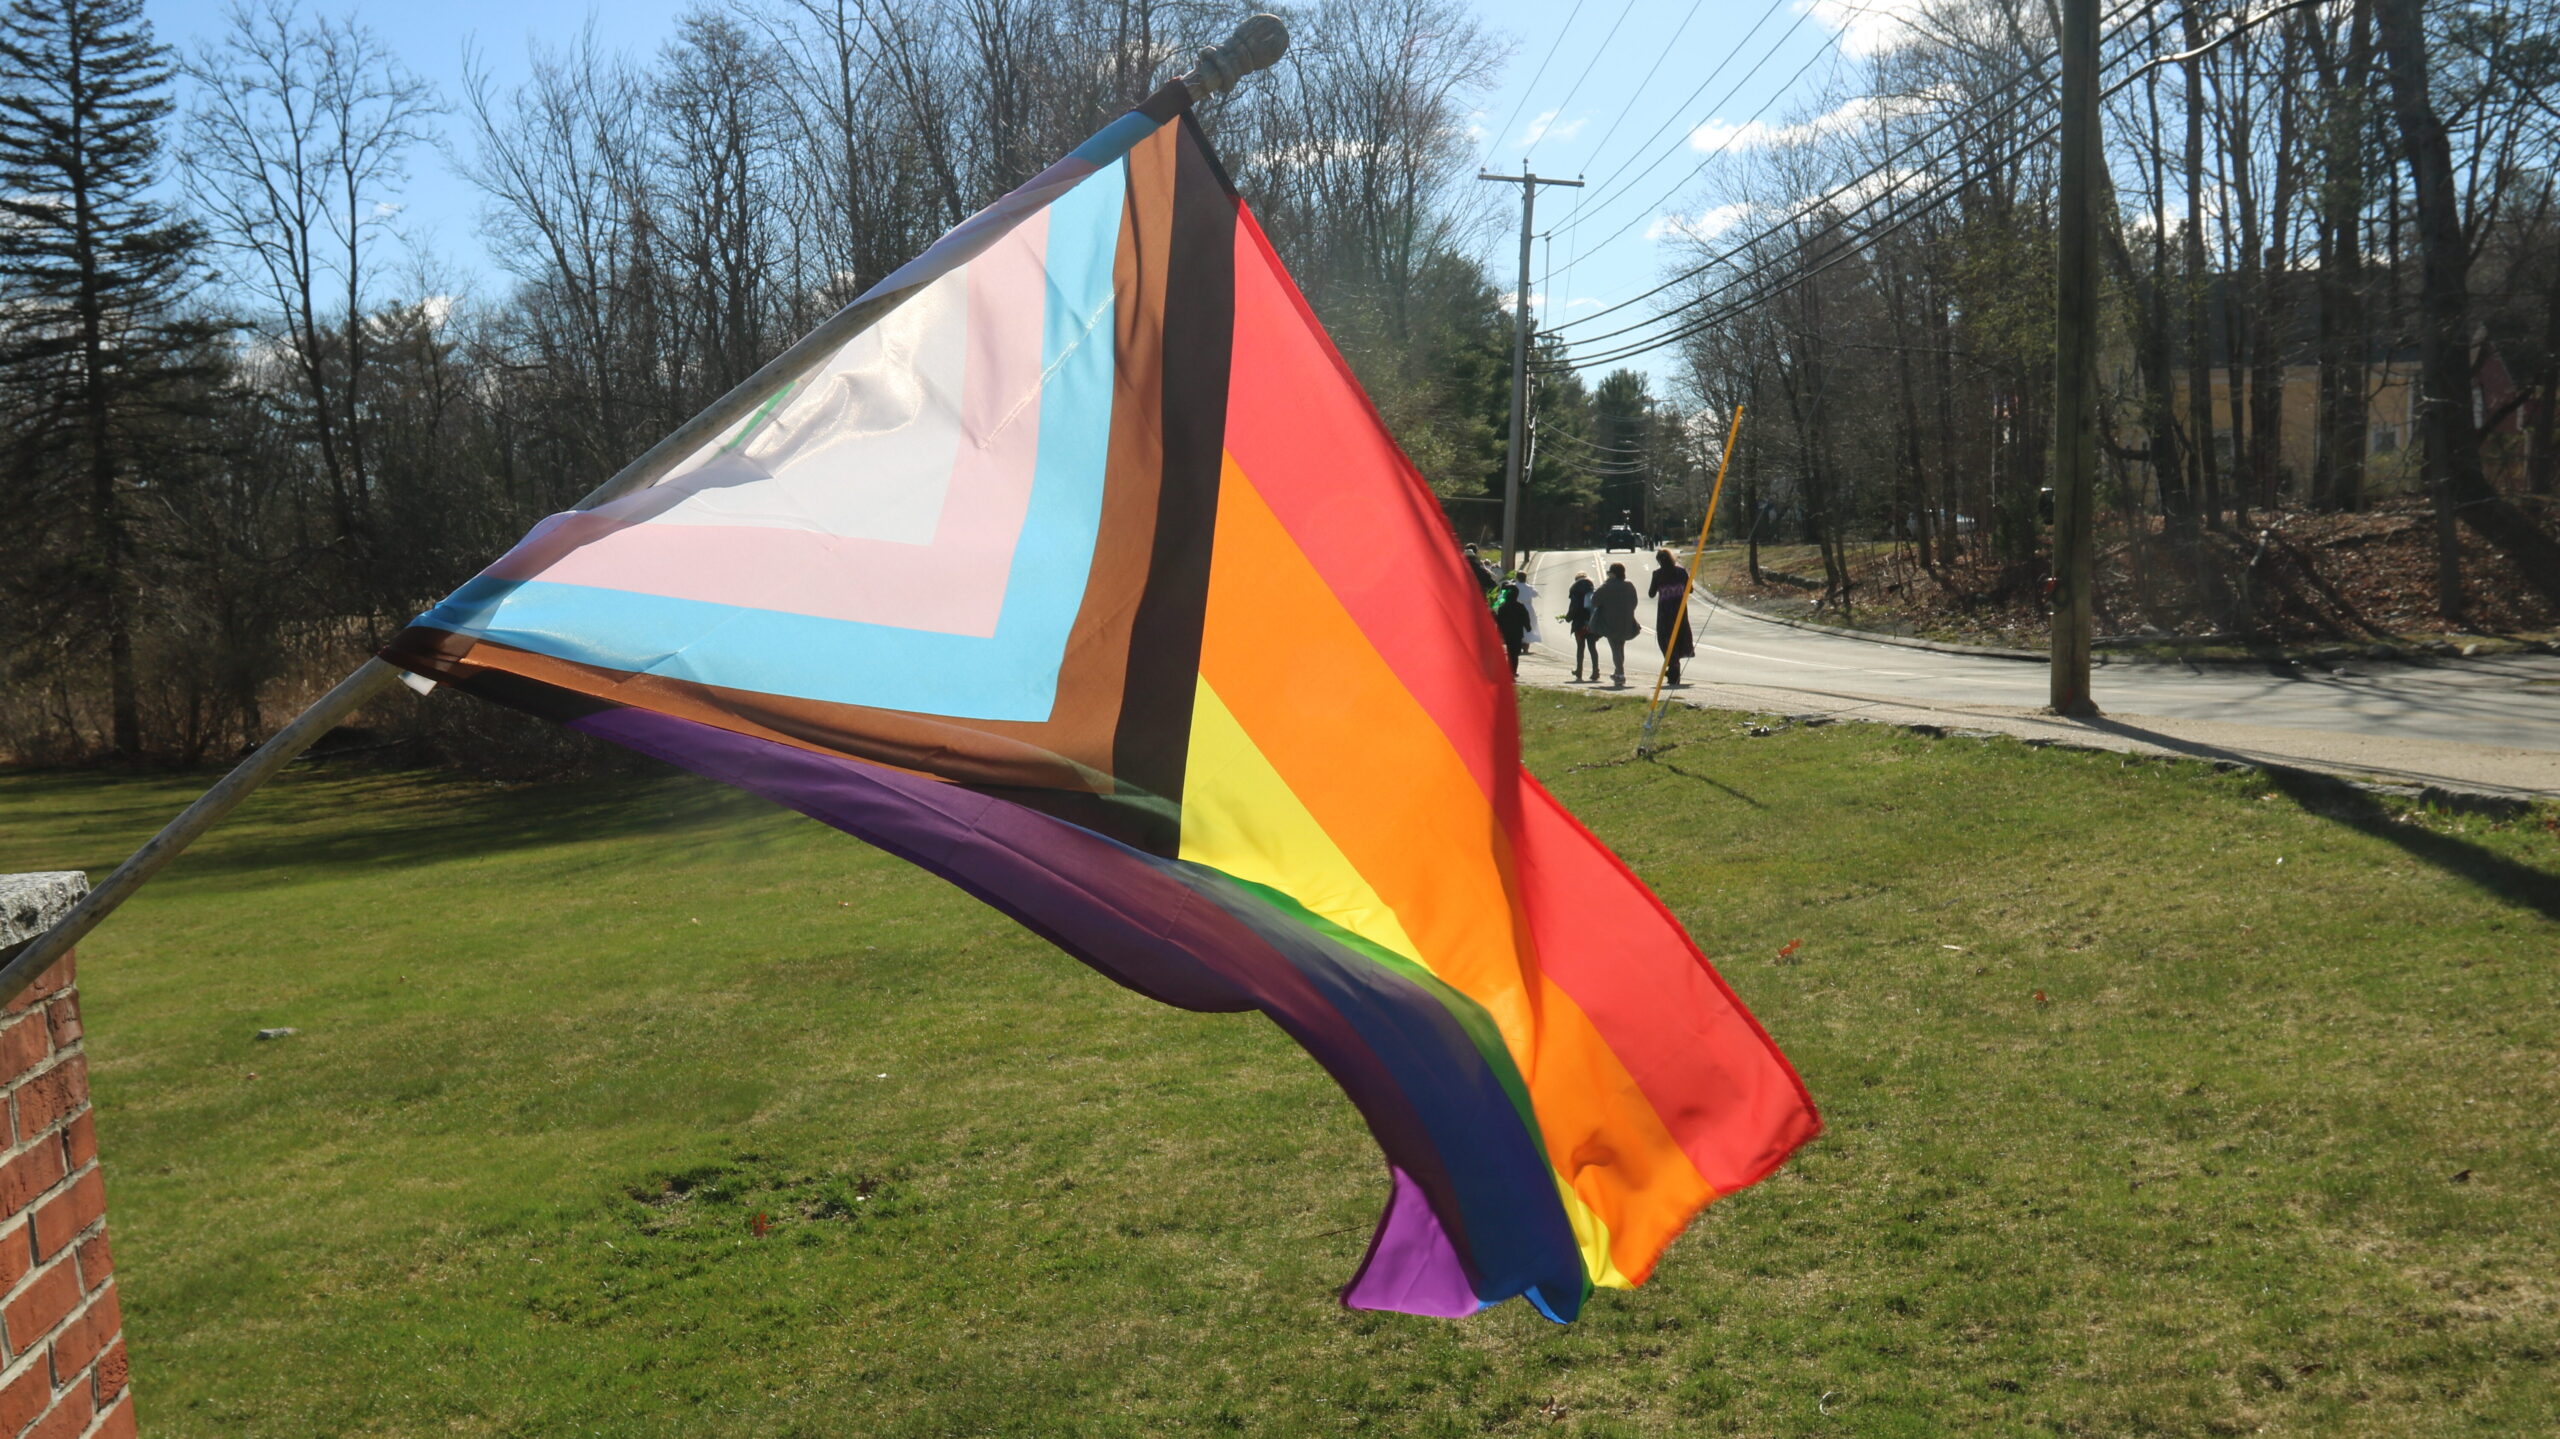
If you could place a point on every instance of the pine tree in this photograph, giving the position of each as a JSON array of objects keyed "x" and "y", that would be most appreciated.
[{"x": 90, "y": 275}]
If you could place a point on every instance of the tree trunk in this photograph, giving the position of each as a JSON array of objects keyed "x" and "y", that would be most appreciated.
[
  {"x": 2159, "y": 399},
  {"x": 2242, "y": 290},
  {"x": 2276, "y": 291},
  {"x": 2544, "y": 467},
  {"x": 2454, "y": 474},
  {"x": 2206, "y": 476},
  {"x": 2344, "y": 425},
  {"x": 107, "y": 538}
]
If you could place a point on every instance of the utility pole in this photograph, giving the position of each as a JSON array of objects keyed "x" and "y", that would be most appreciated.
[
  {"x": 1516, "y": 450},
  {"x": 2075, "y": 365}
]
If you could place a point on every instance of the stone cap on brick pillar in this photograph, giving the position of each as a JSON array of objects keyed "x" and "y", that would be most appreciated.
[
  {"x": 30, "y": 903},
  {"x": 63, "y": 1369}
]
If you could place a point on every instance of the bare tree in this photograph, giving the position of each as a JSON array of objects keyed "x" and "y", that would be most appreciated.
[{"x": 299, "y": 142}]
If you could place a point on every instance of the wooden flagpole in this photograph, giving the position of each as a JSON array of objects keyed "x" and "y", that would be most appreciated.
[
  {"x": 1697, "y": 563},
  {"x": 1256, "y": 44}
]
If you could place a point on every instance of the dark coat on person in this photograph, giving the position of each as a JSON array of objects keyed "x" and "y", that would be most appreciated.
[
  {"x": 1512, "y": 618},
  {"x": 1613, "y": 611},
  {"x": 1577, "y": 607},
  {"x": 1670, "y": 586}
]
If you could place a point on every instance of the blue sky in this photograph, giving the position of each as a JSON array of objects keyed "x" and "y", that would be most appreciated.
[
  {"x": 1649, "y": 102},
  {"x": 1626, "y": 94}
]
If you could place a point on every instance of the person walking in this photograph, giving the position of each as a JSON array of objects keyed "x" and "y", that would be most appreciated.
[
  {"x": 1485, "y": 581},
  {"x": 1670, "y": 591},
  {"x": 1613, "y": 616},
  {"x": 1528, "y": 594},
  {"x": 1512, "y": 617},
  {"x": 1577, "y": 617}
]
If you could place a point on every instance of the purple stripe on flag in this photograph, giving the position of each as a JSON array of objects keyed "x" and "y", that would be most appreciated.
[{"x": 1412, "y": 1267}]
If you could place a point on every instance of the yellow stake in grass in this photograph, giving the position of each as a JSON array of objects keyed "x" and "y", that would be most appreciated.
[{"x": 1680, "y": 616}]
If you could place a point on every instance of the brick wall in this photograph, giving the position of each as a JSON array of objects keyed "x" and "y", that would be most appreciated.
[{"x": 62, "y": 1359}]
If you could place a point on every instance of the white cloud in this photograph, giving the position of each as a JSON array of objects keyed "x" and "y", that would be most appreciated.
[
  {"x": 1725, "y": 135},
  {"x": 1883, "y": 187},
  {"x": 1546, "y": 127},
  {"x": 1862, "y": 110},
  {"x": 1866, "y": 26},
  {"x": 1705, "y": 225}
]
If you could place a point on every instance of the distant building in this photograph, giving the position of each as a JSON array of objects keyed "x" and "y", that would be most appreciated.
[{"x": 2394, "y": 460}]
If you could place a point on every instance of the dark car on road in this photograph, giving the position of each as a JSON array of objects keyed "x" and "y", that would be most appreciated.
[{"x": 1621, "y": 538}]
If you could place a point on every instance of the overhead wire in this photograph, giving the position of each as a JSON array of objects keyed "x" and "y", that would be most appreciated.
[
  {"x": 1494, "y": 139},
  {"x": 1597, "y": 448},
  {"x": 1881, "y": 168},
  {"x": 1601, "y": 146},
  {"x": 1615, "y": 187},
  {"x": 1771, "y": 289},
  {"x": 1576, "y": 88},
  {"x": 1572, "y": 217},
  {"x": 1710, "y": 157},
  {"x": 1803, "y": 209}
]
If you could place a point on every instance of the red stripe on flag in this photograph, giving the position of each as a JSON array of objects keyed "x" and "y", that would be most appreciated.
[
  {"x": 1729, "y": 1097},
  {"x": 1301, "y": 426}
]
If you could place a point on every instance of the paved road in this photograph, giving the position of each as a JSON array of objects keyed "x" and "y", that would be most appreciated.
[{"x": 2491, "y": 723}]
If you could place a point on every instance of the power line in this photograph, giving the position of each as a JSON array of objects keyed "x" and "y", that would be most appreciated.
[
  {"x": 1610, "y": 196},
  {"x": 1597, "y": 448},
  {"x": 1880, "y": 168},
  {"x": 1602, "y": 146},
  {"x": 1803, "y": 209},
  {"x": 1722, "y": 146},
  {"x": 1567, "y": 102},
  {"x": 1661, "y": 54},
  {"x": 1770, "y": 291},
  {"x": 1566, "y": 28},
  {"x": 1679, "y": 110}
]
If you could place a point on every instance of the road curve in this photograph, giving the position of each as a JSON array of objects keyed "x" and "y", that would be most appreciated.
[{"x": 2488, "y": 724}]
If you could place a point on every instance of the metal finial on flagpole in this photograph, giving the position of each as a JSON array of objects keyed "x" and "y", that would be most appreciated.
[{"x": 1257, "y": 44}]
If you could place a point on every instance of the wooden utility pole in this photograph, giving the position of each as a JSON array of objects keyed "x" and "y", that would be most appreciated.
[
  {"x": 2075, "y": 364},
  {"x": 1516, "y": 450}
]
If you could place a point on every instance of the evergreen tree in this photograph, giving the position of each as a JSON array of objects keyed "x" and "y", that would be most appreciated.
[
  {"x": 90, "y": 272},
  {"x": 1621, "y": 449}
]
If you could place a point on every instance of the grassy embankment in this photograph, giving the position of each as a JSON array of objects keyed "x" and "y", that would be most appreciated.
[{"x": 2160, "y": 1102}]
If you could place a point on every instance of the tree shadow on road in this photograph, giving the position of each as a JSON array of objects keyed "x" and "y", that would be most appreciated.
[{"x": 2332, "y": 798}]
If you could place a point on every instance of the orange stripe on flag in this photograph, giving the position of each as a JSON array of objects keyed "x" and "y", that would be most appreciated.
[{"x": 1393, "y": 794}]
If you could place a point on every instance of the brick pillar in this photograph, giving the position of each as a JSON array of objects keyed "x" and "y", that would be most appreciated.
[{"x": 61, "y": 1336}]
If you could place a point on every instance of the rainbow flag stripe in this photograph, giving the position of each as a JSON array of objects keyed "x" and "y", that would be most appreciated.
[{"x": 1087, "y": 578}]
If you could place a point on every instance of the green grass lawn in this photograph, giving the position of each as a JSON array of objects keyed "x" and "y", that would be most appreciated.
[{"x": 2160, "y": 1101}]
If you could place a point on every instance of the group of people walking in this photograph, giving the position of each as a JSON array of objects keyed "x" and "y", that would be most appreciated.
[{"x": 1597, "y": 614}]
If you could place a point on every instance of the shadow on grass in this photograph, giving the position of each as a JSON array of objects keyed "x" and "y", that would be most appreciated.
[
  {"x": 2340, "y": 800},
  {"x": 1706, "y": 780},
  {"x": 2507, "y": 879},
  {"x": 407, "y": 818}
]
